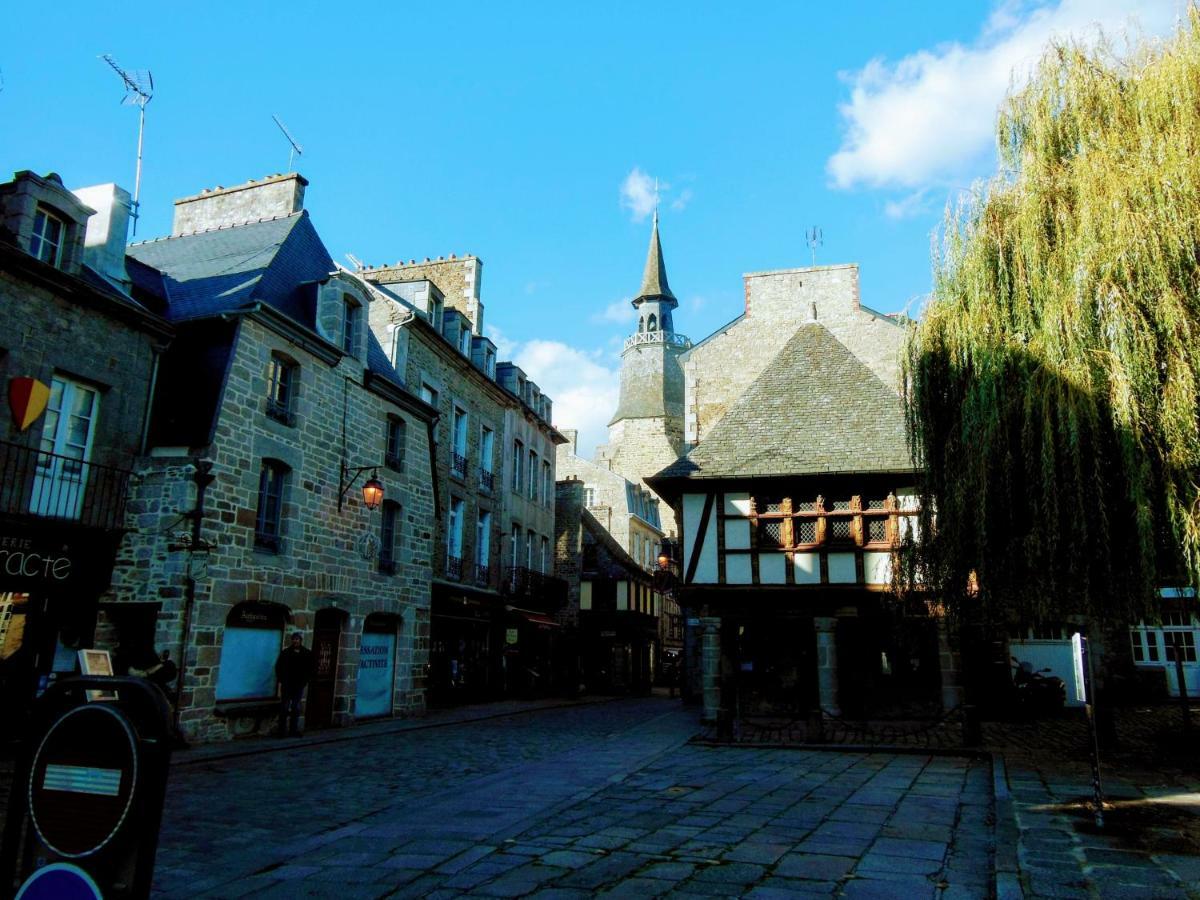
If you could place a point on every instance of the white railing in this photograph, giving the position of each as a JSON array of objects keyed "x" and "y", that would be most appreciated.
[{"x": 669, "y": 338}]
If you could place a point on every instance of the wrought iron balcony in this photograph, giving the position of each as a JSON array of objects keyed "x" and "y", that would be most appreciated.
[
  {"x": 454, "y": 567},
  {"x": 670, "y": 338},
  {"x": 458, "y": 465},
  {"x": 534, "y": 590},
  {"x": 487, "y": 480},
  {"x": 51, "y": 486},
  {"x": 481, "y": 575}
]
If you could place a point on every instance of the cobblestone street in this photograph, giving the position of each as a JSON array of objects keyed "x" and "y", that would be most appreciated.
[{"x": 599, "y": 799}]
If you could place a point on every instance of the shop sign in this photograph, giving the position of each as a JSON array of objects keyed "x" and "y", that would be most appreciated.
[
  {"x": 26, "y": 558},
  {"x": 27, "y": 398},
  {"x": 511, "y": 636}
]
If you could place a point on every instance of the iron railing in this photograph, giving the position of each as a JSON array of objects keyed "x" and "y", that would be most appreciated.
[
  {"x": 669, "y": 338},
  {"x": 487, "y": 480},
  {"x": 454, "y": 567},
  {"x": 481, "y": 574},
  {"x": 458, "y": 465},
  {"x": 535, "y": 590},
  {"x": 52, "y": 486}
]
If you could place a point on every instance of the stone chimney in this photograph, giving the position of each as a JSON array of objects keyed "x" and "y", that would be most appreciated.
[
  {"x": 572, "y": 436},
  {"x": 268, "y": 198},
  {"x": 107, "y": 231}
]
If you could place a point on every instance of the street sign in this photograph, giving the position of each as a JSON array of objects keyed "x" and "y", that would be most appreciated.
[{"x": 59, "y": 881}]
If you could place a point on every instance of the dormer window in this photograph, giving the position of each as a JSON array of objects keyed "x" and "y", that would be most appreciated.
[
  {"x": 466, "y": 340},
  {"x": 49, "y": 232},
  {"x": 351, "y": 313},
  {"x": 490, "y": 364}
]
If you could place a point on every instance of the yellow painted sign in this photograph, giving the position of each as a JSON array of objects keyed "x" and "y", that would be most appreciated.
[{"x": 27, "y": 399}]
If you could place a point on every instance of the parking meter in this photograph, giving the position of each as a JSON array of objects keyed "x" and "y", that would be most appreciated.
[{"x": 87, "y": 796}]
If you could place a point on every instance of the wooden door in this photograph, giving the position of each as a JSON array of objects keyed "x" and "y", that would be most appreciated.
[{"x": 327, "y": 636}]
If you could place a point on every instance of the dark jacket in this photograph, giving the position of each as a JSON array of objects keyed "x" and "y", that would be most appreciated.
[{"x": 294, "y": 668}]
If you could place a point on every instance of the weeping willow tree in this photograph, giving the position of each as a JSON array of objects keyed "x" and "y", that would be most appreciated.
[{"x": 1052, "y": 383}]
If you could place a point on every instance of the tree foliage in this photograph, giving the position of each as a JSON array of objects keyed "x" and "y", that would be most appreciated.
[{"x": 1052, "y": 382}]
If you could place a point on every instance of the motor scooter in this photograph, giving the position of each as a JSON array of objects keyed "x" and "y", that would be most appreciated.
[{"x": 1035, "y": 692}]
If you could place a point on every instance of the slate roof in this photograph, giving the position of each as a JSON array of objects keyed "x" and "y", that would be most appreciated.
[
  {"x": 654, "y": 278},
  {"x": 816, "y": 408},
  {"x": 216, "y": 271}
]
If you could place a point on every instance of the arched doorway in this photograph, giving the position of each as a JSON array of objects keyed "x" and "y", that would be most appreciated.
[{"x": 327, "y": 639}]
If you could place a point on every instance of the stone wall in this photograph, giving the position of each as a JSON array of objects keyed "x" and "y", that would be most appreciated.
[
  {"x": 719, "y": 369},
  {"x": 458, "y": 278},
  {"x": 568, "y": 545},
  {"x": 45, "y": 334},
  {"x": 610, "y": 503},
  {"x": 327, "y": 557},
  {"x": 221, "y": 207},
  {"x": 638, "y": 448}
]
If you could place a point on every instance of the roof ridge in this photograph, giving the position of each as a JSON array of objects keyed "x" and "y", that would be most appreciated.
[{"x": 224, "y": 227}]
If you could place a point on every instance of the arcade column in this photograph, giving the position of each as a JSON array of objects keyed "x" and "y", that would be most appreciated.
[{"x": 710, "y": 666}]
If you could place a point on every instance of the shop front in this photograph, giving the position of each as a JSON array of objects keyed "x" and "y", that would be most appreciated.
[
  {"x": 467, "y": 641},
  {"x": 51, "y": 576},
  {"x": 619, "y": 650}
]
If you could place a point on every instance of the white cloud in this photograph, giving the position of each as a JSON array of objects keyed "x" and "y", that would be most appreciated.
[
  {"x": 929, "y": 118},
  {"x": 907, "y": 207},
  {"x": 504, "y": 346},
  {"x": 637, "y": 194},
  {"x": 680, "y": 203},
  {"x": 620, "y": 312},
  {"x": 584, "y": 391}
]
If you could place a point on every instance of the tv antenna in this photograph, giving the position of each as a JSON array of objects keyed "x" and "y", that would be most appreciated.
[
  {"x": 296, "y": 150},
  {"x": 139, "y": 88},
  {"x": 814, "y": 237}
]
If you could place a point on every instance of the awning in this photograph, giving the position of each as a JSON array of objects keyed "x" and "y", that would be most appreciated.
[{"x": 534, "y": 618}]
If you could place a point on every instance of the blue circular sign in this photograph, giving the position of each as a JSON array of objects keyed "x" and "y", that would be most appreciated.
[{"x": 59, "y": 881}]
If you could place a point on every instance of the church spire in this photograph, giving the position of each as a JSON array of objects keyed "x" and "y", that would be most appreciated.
[{"x": 654, "y": 279}]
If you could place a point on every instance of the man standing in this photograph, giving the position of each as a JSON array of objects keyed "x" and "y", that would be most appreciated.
[{"x": 294, "y": 668}]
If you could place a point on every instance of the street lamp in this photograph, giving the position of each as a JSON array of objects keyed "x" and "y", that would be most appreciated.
[{"x": 372, "y": 489}]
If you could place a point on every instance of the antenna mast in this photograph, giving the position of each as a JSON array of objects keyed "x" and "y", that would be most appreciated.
[
  {"x": 296, "y": 150},
  {"x": 139, "y": 88},
  {"x": 814, "y": 237}
]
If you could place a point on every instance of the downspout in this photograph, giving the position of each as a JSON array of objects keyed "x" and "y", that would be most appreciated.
[
  {"x": 155, "y": 362},
  {"x": 203, "y": 477}
]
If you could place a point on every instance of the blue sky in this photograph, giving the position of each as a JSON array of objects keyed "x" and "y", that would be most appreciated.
[{"x": 528, "y": 135}]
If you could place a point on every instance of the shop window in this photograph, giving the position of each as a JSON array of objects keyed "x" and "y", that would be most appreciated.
[
  {"x": 251, "y": 644},
  {"x": 268, "y": 523},
  {"x": 376, "y": 667},
  {"x": 1181, "y": 643},
  {"x": 283, "y": 378}
]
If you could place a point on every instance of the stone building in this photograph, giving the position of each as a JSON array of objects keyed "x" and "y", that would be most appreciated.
[
  {"x": 646, "y": 432},
  {"x": 78, "y": 353},
  {"x": 791, "y": 506},
  {"x": 614, "y": 604},
  {"x": 493, "y": 581},
  {"x": 273, "y": 407}
]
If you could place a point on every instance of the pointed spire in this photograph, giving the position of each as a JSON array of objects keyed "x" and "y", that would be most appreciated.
[{"x": 654, "y": 279}]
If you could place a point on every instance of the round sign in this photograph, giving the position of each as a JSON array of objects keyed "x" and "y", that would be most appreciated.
[
  {"x": 59, "y": 881},
  {"x": 82, "y": 782}
]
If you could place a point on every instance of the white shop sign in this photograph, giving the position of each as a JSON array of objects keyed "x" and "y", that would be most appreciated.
[{"x": 376, "y": 674}]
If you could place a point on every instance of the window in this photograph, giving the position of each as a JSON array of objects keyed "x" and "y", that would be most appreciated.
[
  {"x": 516, "y": 545},
  {"x": 48, "y": 233},
  {"x": 518, "y": 465},
  {"x": 533, "y": 475},
  {"x": 268, "y": 521},
  {"x": 547, "y": 484},
  {"x": 545, "y": 555},
  {"x": 529, "y": 536},
  {"x": 454, "y": 539},
  {"x": 490, "y": 364},
  {"x": 68, "y": 431},
  {"x": 487, "y": 439},
  {"x": 589, "y": 497},
  {"x": 429, "y": 395},
  {"x": 466, "y": 338},
  {"x": 458, "y": 442},
  {"x": 652, "y": 323},
  {"x": 483, "y": 545},
  {"x": 351, "y": 315},
  {"x": 396, "y": 438},
  {"x": 388, "y": 537},
  {"x": 283, "y": 378}
]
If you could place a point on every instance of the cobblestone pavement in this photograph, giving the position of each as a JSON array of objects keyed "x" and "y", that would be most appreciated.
[{"x": 605, "y": 799}]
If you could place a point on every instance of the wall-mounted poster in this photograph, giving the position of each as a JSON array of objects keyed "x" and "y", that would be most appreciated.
[
  {"x": 97, "y": 662},
  {"x": 376, "y": 674}
]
